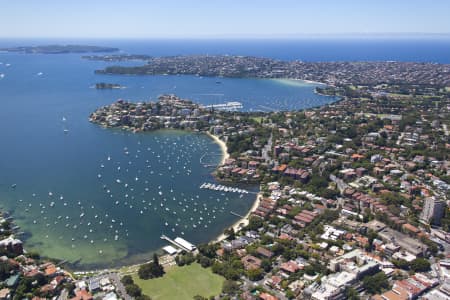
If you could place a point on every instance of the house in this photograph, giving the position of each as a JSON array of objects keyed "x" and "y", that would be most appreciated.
[
  {"x": 82, "y": 295},
  {"x": 50, "y": 270},
  {"x": 13, "y": 245},
  {"x": 5, "y": 294},
  {"x": 250, "y": 262},
  {"x": 264, "y": 252},
  {"x": 274, "y": 282},
  {"x": 266, "y": 296},
  {"x": 290, "y": 267},
  {"x": 408, "y": 228}
]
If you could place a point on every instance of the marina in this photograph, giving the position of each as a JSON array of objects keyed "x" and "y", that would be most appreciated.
[
  {"x": 222, "y": 188},
  {"x": 229, "y": 106}
]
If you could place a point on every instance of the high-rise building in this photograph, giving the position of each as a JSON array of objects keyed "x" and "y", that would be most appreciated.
[{"x": 433, "y": 210}]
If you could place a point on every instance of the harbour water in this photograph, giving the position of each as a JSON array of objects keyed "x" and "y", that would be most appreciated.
[{"x": 99, "y": 197}]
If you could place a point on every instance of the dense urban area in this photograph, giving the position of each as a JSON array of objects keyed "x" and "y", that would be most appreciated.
[{"x": 353, "y": 200}]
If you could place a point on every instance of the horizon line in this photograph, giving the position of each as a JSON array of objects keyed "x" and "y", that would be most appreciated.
[{"x": 255, "y": 36}]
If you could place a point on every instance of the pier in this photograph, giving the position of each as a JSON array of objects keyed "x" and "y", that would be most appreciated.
[
  {"x": 206, "y": 164},
  {"x": 222, "y": 188},
  {"x": 236, "y": 214},
  {"x": 230, "y": 106},
  {"x": 180, "y": 243}
]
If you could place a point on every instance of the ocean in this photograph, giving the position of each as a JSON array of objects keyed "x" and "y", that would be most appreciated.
[
  {"x": 99, "y": 197},
  {"x": 416, "y": 49}
]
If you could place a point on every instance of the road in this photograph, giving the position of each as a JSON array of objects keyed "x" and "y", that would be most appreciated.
[
  {"x": 266, "y": 149},
  {"x": 250, "y": 285},
  {"x": 120, "y": 288},
  {"x": 444, "y": 126}
]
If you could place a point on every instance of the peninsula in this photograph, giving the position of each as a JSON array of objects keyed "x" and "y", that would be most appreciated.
[
  {"x": 58, "y": 49},
  {"x": 331, "y": 73}
]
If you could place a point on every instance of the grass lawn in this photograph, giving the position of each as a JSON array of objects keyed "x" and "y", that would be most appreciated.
[
  {"x": 181, "y": 283},
  {"x": 257, "y": 119}
]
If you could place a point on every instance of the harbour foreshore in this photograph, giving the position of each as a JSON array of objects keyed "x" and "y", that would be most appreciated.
[
  {"x": 245, "y": 220},
  {"x": 241, "y": 222},
  {"x": 223, "y": 147}
]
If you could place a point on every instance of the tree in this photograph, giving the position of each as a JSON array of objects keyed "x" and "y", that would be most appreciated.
[
  {"x": 254, "y": 223},
  {"x": 266, "y": 264},
  {"x": 401, "y": 264},
  {"x": 230, "y": 287},
  {"x": 185, "y": 259},
  {"x": 310, "y": 270},
  {"x": 420, "y": 265},
  {"x": 290, "y": 294},
  {"x": 208, "y": 250},
  {"x": 204, "y": 261},
  {"x": 133, "y": 290},
  {"x": 351, "y": 294},
  {"x": 5, "y": 270},
  {"x": 155, "y": 259},
  {"x": 255, "y": 274},
  {"x": 229, "y": 232},
  {"x": 127, "y": 279},
  {"x": 151, "y": 270},
  {"x": 376, "y": 283}
]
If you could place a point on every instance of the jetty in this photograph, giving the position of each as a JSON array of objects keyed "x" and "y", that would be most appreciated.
[
  {"x": 236, "y": 214},
  {"x": 207, "y": 164},
  {"x": 229, "y": 106},
  {"x": 222, "y": 188},
  {"x": 180, "y": 243}
]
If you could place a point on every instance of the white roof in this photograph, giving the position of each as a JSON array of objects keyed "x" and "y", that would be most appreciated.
[
  {"x": 169, "y": 249},
  {"x": 184, "y": 243}
]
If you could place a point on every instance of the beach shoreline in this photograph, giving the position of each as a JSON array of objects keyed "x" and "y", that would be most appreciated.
[
  {"x": 223, "y": 147},
  {"x": 241, "y": 222},
  {"x": 300, "y": 81}
]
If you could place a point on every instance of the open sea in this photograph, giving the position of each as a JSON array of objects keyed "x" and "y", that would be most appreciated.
[{"x": 99, "y": 197}]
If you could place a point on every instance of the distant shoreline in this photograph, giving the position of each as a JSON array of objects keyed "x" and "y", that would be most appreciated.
[{"x": 58, "y": 49}]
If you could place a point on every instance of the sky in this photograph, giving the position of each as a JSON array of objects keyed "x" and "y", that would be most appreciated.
[{"x": 219, "y": 19}]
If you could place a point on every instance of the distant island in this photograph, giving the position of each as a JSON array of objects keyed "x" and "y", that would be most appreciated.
[
  {"x": 331, "y": 73},
  {"x": 58, "y": 49},
  {"x": 108, "y": 86}
]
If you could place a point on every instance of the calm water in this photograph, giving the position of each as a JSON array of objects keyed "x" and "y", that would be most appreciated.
[
  {"x": 76, "y": 204},
  {"x": 319, "y": 49}
]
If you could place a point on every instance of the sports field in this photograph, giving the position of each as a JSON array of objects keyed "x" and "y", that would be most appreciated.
[{"x": 181, "y": 283}]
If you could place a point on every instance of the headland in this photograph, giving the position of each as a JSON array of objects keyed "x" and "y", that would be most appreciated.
[
  {"x": 330, "y": 73},
  {"x": 58, "y": 49}
]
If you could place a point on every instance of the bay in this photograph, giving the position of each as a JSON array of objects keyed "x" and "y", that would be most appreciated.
[{"x": 98, "y": 197}]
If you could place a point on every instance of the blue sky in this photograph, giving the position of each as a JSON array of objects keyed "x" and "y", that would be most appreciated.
[{"x": 225, "y": 18}]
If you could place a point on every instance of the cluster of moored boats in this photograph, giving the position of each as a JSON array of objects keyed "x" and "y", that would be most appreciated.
[
  {"x": 222, "y": 188},
  {"x": 140, "y": 181}
]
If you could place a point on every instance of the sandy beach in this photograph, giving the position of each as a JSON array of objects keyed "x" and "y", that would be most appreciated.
[
  {"x": 241, "y": 222},
  {"x": 223, "y": 147},
  {"x": 312, "y": 82}
]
